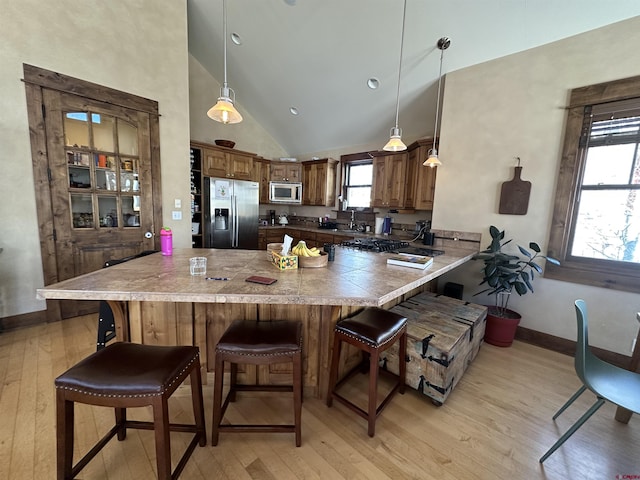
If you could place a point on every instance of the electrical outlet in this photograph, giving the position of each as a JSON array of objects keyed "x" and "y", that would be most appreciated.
[
  {"x": 176, "y": 215},
  {"x": 177, "y": 203}
]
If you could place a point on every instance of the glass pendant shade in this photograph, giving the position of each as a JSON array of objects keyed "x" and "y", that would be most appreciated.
[
  {"x": 433, "y": 160},
  {"x": 395, "y": 143},
  {"x": 224, "y": 111}
]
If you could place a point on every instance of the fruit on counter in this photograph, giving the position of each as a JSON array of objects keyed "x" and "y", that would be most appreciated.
[{"x": 302, "y": 250}]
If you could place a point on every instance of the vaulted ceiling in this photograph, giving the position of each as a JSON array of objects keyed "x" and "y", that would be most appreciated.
[{"x": 317, "y": 56}]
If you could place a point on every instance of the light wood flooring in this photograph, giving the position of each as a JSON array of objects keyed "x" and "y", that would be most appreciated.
[{"x": 495, "y": 425}]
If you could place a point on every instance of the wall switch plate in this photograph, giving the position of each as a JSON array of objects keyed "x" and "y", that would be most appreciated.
[
  {"x": 177, "y": 203},
  {"x": 176, "y": 215}
]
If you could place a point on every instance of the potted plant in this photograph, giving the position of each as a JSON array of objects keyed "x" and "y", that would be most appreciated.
[{"x": 505, "y": 273}]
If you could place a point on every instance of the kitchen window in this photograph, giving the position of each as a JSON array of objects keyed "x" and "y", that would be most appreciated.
[
  {"x": 357, "y": 186},
  {"x": 596, "y": 222}
]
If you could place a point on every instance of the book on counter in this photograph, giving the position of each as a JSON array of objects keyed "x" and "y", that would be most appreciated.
[{"x": 409, "y": 260}]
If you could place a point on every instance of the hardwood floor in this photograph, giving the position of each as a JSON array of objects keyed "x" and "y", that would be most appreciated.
[{"x": 495, "y": 425}]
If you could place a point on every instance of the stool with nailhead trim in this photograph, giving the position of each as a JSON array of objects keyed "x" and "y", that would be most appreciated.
[
  {"x": 373, "y": 331},
  {"x": 126, "y": 375},
  {"x": 258, "y": 343}
]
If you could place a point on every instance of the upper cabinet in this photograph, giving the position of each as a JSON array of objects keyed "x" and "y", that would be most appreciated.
[
  {"x": 261, "y": 174},
  {"x": 401, "y": 181},
  {"x": 389, "y": 181},
  {"x": 286, "y": 172},
  {"x": 421, "y": 179},
  {"x": 319, "y": 182},
  {"x": 226, "y": 163}
]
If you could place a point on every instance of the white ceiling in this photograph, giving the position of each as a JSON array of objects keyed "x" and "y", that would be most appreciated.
[{"x": 317, "y": 55}]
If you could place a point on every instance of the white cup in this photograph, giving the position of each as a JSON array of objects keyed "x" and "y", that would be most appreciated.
[{"x": 198, "y": 265}]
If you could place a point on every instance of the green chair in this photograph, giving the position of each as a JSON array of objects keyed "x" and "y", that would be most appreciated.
[{"x": 606, "y": 381}]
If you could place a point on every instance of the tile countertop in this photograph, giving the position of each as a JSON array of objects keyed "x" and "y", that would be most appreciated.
[{"x": 354, "y": 278}]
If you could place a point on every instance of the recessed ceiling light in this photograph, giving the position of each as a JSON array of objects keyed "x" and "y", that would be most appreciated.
[
  {"x": 373, "y": 83},
  {"x": 235, "y": 38},
  {"x": 293, "y": 110},
  {"x": 290, "y": 2}
]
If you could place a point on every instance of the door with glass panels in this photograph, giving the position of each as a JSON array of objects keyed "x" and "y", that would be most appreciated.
[{"x": 101, "y": 185}]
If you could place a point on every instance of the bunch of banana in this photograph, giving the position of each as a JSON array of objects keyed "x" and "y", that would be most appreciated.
[{"x": 302, "y": 250}]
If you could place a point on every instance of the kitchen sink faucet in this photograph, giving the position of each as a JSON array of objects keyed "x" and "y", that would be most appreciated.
[{"x": 352, "y": 223}]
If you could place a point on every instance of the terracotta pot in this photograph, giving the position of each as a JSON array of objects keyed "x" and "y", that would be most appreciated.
[{"x": 501, "y": 330}]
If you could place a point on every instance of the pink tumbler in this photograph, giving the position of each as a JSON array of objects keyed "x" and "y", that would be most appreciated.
[{"x": 166, "y": 241}]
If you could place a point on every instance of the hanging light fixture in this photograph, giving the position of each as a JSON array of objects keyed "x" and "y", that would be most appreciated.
[
  {"x": 432, "y": 160},
  {"x": 224, "y": 111},
  {"x": 395, "y": 143}
]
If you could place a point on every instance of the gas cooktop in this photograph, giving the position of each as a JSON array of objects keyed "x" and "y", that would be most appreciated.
[
  {"x": 375, "y": 244},
  {"x": 378, "y": 245}
]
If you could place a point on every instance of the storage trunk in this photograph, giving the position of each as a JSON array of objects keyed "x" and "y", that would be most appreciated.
[{"x": 444, "y": 336}]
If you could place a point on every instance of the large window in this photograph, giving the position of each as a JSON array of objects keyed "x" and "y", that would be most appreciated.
[{"x": 596, "y": 224}]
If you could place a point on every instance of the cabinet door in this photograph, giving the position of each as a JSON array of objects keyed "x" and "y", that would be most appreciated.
[
  {"x": 379, "y": 194},
  {"x": 396, "y": 176},
  {"x": 216, "y": 163},
  {"x": 260, "y": 174},
  {"x": 309, "y": 184},
  {"x": 294, "y": 172},
  {"x": 425, "y": 188},
  {"x": 322, "y": 238},
  {"x": 286, "y": 172},
  {"x": 240, "y": 166}
]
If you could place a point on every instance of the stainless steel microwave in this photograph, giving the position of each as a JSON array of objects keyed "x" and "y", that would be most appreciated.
[{"x": 285, "y": 192}]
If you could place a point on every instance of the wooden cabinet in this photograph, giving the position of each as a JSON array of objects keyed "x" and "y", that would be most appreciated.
[
  {"x": 261, "y": 174},
  {"x": 227, "y": 163},
  {"x": 319, "y": 182},
  {"x": 421, "y": 185},
  {"x": 389, "y": 181},
  {"x": 297, "y": 235},
  {"x": 286, "y": 172}
]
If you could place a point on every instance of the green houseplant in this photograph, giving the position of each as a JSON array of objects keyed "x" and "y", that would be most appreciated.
[{"x": 504, "y": 273}]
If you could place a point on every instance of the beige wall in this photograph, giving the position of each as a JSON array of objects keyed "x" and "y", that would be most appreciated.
[
  {"x": 138, "y": 47},
  {"x": 514, "y": 107}
]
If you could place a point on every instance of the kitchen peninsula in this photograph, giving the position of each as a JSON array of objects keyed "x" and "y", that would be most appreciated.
[{"x": 157, "y": 301}]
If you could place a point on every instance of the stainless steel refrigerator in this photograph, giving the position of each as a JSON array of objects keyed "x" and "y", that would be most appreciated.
[{"x": 231, "y": 213}]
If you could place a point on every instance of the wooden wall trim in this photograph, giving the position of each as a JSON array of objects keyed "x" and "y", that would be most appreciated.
[
  {"x": 568, "y": 347},
  {"x": 64, "y": 83}
]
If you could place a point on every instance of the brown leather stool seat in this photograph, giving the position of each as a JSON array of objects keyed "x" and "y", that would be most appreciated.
[
  {"x": 125, "y": 375},
  {"x": 373, "y": 331},
  {"x": 258, "y": 343}
]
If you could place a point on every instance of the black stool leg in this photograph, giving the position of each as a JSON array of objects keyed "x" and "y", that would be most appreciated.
[
  {"x": 297, "y": 396},
  {"x": 373, "y": 390},
  {"x": 121, "y": 420},
  {"x": 198, "y": 407},
  {"x": 163, "y": 441},
  {"x": 64, "y": 441},
  {"x": 217, "y": 399},
  {"x": 333, "y": 373},
  {"x": 402, "y": 360}
]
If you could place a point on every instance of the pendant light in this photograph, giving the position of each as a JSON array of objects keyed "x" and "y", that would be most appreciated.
[
  {"x": 433, "y": 161},
  {"x": 395, "y": 143},
  {"x": 224, "y": 111}
]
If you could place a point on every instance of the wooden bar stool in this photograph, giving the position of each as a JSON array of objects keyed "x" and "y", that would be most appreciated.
[
  {"x": 125, "y": 375},
  {"x": 258, "y": 343},
  {"x": 373, "y": 331}
]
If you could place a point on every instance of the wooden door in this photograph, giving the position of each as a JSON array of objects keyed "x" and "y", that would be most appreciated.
[
  {"x": 81, "y": 175},
  {"x": 101, "y": 184}
]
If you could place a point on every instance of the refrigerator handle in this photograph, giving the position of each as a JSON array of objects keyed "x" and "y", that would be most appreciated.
[{"x": 235, "y": 221}]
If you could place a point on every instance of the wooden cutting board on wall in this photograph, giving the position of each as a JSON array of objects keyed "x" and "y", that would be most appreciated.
[{"x": 514, "y": 195}]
